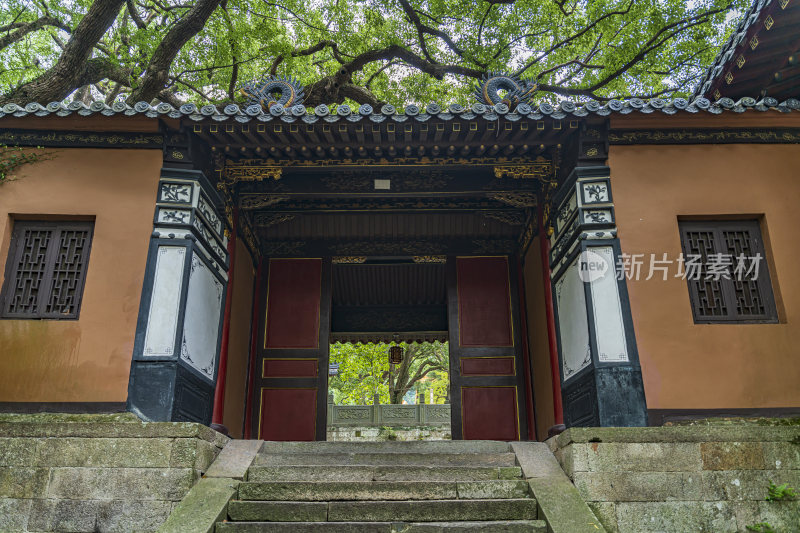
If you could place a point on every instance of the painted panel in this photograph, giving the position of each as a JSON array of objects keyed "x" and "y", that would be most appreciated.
[
  {"x": 201, "y": 321},
  {"x": 210, "y": 214},
  {"x": 573, "y": 326},
  {"x": 487, "y": 366},
  {"x": 288, "y": 414},
  {"x": 490, "y": 413},
  {"x": 609, "y": 324},
  {"x": 293, "y": 303},
  {"x": 290, "y": 368},
  {"x": 175, "y": 193},
  {"x": 566, "y": 212},
  {"x": 595, "y": 192},
  {"x": 208, "y": 238},
  {"x": 484, "y": 305},
  {"x": 169, "y": 215},
  {"x": 597, "y": 216},
  {"x": 162, "y": 320}
]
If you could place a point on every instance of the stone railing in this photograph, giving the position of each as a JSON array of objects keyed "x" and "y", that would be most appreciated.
[{"x": 389, "y": 415}]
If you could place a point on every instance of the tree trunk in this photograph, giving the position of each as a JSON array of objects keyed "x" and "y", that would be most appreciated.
[{"x": 70, "y": 69}]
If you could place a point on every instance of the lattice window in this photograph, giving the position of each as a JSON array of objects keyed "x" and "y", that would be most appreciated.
[
  {"x": 46, "y": 269},
  {"x": 727, "y": 272}
]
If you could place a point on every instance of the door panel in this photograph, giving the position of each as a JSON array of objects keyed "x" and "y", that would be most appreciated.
[
  {"x": 288, "y": 414},
  {"x": 484, "y": 302},
  {"x": 292, "y": 385},
  {"x": 293, "y": 303},
  {"x": 490, "y": 413},
  {"x": 485, "y": 349}
]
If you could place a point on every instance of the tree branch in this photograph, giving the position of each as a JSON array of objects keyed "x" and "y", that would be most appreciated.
[
  {"x": 423, "y": 29},
  {"x": 63, "y": 77},
  {"x": 657, "y": 40},
  {"x": 24, "y": 28},
  {"x": 307, "y": 52},
  {"x": 157, "y": 72},
  {"x": 135, "y": 15},
  {"x": 565, "y": 42}
]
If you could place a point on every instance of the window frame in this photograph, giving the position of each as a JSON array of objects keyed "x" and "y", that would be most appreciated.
[
  {"x": 763, "y": 281},
  {"x": 15, "y": 249}
]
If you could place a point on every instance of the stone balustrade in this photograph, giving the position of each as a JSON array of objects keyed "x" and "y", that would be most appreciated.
[{"x": 389, "y": 415}]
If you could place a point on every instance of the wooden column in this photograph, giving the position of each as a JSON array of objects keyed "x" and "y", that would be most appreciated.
[
  {"x": 601, "y": 380},
  {"x": 219, "y": 392}
]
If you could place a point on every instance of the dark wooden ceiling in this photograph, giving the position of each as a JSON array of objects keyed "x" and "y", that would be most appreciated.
[
  {"x": 371, "y": 302},
  {"x": 385, "y": 284}
]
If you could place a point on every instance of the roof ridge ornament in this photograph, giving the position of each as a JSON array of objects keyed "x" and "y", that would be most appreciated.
[
  {"x": 518, "y": 91},
  {"x": 273, "y": 90}
]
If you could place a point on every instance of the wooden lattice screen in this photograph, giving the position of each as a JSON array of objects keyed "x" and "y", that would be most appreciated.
[
  {"x": 46, "y": 269},
  {"x": 723, "y": 288}
]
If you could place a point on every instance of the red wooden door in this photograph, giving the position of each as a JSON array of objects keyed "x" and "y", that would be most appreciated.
[
  {"x": 292, "y": 370},
  {"x": 486, "y": 371}
]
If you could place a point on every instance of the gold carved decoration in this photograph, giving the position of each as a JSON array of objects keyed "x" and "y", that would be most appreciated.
[
  {"x": 540, "y": 168},
  {"x": 266, "y": 220},
  {"x": 248, "y": 235},
  {"x": 644, "y": 137},
  {"x": 512, "y": 218},
  {"x": 234, "y": 174},
  {"x": 261, "y": 200},
  {"x": 515, "y": 199},
  {"x": 430, "y": 259},
  {"x": 348, "y": 260}
]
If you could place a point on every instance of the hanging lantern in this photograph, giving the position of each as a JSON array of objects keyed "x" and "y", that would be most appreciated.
[
  {"x": 396, "y": 352},
  {"x": 396, "y": 355}
]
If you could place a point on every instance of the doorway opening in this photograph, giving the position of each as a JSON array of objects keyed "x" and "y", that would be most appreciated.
[
  {"x": 385, "y": 309},
  {"x": 372, "y": 398}
]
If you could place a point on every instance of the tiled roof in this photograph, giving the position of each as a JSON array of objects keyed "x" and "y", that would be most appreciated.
[{"x": 322, "y": 113}]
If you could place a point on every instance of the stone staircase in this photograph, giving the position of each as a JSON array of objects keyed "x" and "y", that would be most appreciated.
[{"x": 376, "y": 487}]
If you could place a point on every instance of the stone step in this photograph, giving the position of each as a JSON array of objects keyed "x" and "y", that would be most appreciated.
[
  {"x": 444, "y": 446},
  {"x": 382, "y": 473},
  {"x": 383, "y": 511},
  {"x": 508, "y": 526},
  {"x": 382, "y": 490},
  {"x": 387, "y": 459}
]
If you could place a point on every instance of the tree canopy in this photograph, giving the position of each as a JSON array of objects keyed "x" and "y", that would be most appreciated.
[
  {"x": 362, "y": 51},
  {"x": 364, "y": 372}
]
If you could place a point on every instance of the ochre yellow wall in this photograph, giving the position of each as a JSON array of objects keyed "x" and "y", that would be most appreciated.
[
  {"x": 538, "y": 345},
  {"x": 702, "y": 366},
  {"x": 239, "y": 340},
  {"x": 84, "y": 360}
]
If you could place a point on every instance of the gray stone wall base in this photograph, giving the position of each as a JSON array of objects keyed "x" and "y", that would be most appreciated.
[
  {"x": 710, "y": 476},
  {"x": 87, "y": 473}
]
